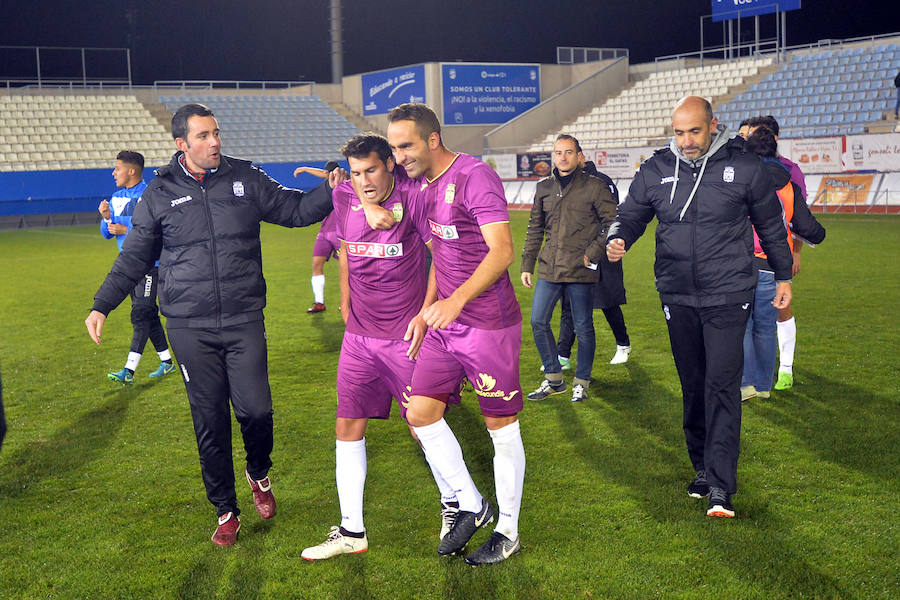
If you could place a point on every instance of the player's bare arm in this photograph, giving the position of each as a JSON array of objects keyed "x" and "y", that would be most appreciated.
[
  {"x": 377, "y": 216},
  {"x": 498, "y": 238},
  {"x": 344, "y": 268},
  {"x": 415, "y": 332}
]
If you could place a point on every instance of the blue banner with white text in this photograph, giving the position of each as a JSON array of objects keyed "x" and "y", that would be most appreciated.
[
  {"x": 724, "y": 10},
  {"x": 383, "y": 90},
  {"x": 487, "y": 94}
]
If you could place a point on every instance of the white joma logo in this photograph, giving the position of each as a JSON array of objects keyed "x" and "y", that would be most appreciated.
[{"x": 181, "y": 200}]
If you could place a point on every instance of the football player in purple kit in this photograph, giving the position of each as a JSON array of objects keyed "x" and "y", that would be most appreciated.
[
  {"x": 475, "y": 328},
  {"x": 383, "y": 283}
]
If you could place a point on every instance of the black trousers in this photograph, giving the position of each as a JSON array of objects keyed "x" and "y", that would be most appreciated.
[
  {"x": 566, "y": 339},
  {"x": 145, "y": 315},
  {"x": 218, "y": 365},
  {"x": 707, "y": 344}
]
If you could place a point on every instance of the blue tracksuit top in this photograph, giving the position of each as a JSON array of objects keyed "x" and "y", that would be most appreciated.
[{"x": 121, "y": 207}]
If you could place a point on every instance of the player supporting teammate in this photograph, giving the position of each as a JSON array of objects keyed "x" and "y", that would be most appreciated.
[
  {"x": 116, "y": 223},
  {"x": 383, "y": 282},
  {"x": 475, "y": 328},
  {"x": 325, "y": 247}
]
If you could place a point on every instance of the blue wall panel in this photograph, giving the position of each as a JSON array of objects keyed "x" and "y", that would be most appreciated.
[{"x": 80, "y": 190}]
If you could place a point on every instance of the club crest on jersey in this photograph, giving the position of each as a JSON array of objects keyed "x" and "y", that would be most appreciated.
[
  {"x": 373, "y": 250},
  {"x": 397, "y": 211},
  {"x": 484, "y": 387},
  {"x": 445, "y": 232},
  {"x": 450, "y": 193},
  {"x": 238, "y": 187},
  {"x": 728, "y": 174}
]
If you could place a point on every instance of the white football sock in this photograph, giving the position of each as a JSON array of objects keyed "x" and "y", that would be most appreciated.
[
  {"x": 318, "y": 286},
  {"x": 350, "y": 472},
  {"x": 787, "y": 341},
  {"x": 165, "y": 355},
  {"x": 509, "y": 474},
  {"x": 447, "y": 492},
  {"x": 132, "y": 361},
  {"x": 444, "y": 454}
]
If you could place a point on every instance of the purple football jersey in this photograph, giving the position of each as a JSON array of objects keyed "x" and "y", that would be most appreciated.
[
  {"x": 462, "y": 199},
  {"x": 386, "y": 267}
]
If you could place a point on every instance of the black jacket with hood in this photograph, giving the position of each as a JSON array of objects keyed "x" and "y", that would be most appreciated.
[
  {"x": 206, "y": 238},
  {"x": 704, "y": 240}
]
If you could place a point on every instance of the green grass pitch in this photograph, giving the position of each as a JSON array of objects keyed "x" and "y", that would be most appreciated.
[{"x": 101, "y": 496}]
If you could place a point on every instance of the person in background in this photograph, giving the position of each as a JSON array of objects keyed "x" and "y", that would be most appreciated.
[
  {"x": 760, "y": 340},
  {"x": 325, "y": 247},
  {"x": 116, "y": 223},
  {"x": 787, "y": 324}
]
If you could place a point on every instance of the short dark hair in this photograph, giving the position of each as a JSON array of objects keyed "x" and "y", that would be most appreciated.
[
  {"x": 132, "y": 158},
  {"x": 364, "y": 144},
  {"x": 420, "y": 114},
  {"x": 762, "y": 142},
  {"x": 764, "y": 121},
  {"x": 181, "y": 116},
  {"x": 744, "y": 123},
  {"x": 571, "y": 138}
]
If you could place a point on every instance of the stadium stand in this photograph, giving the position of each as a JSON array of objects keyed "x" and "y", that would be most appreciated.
[
  {"x": 823, "y": 93},
  {"x": 271, "y": 129},
  {"x": 52, "y": 132},
  {"x": 41, "y": 132},
  {"x": 642, "y": 111}
]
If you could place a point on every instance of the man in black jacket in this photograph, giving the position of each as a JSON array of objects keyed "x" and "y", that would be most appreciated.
[
  {"x": 702, "y": 189},
  {"x": 200, "y": 218}
]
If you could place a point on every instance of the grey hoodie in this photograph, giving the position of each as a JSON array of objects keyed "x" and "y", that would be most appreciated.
[{"x": 719, "y": 139}]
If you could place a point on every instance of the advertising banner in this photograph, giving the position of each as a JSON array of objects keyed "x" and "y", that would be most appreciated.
[
  {"x": 534, "y": 164},
  {"x": 814, "y": 155},
  {"x": 383, "y": 90},
  {"x": 487, "y": 94},
  {"x": 843, "y": 189},
  {"x": 722, "y": 10},
  {"x": 504, "y": 164},
  {"x": 620, "y": 163},
  {"x": 872, "y": 152}
]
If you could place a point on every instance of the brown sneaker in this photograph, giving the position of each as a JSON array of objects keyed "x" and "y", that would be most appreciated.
[
  {"x": 227, "y": 532},
  {"x": 316, "y": 308},
  {"x": 263, "y": 498}
]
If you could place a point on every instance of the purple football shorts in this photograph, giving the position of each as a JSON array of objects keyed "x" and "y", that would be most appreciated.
[{"x": 488, "y": 358}]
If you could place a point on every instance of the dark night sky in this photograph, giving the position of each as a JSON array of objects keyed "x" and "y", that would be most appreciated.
[{"x": 288, "y": 39}]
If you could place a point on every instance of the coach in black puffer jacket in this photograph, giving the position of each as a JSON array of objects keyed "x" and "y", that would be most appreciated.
[
  {"x": 206, "y": 238},
  {"x": 705, "y": 191},
  {"x": 704, "y": 242},
  {"x": 200, "y": 218}
]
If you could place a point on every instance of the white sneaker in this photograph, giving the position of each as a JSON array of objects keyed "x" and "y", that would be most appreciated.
[
  {"x": 621, "y": 356},
  {"x": 448, "y": 517},
  {"x": 748, "y": 392},
  {"x": 337, "y": 543}
]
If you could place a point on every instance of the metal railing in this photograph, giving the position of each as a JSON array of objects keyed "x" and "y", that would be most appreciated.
[
  {"x": 584, "y": 89},
  {"x": 769, "y": 47},
  {"x": 56, "y": 75},
  {"x": 571, "y": 55},
  {"x": 211, "y": 84}
]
